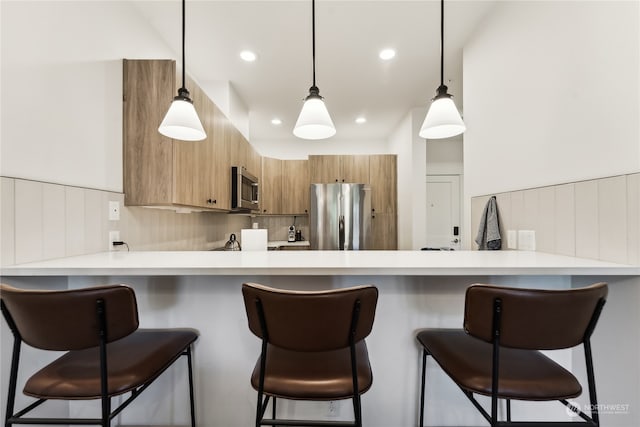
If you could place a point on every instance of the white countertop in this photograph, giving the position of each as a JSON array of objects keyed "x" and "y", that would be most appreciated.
[{"x": 315, "y": 263}]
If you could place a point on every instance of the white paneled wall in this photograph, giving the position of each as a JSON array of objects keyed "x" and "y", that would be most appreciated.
[
  {"x": 43, "y": 221},
  {"x": 598, "y": 219}
]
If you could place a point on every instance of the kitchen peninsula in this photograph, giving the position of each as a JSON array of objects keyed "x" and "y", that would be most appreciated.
[{"x": 417, "y": 289}]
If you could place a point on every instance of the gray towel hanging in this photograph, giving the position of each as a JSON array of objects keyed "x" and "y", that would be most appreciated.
[{"x": 488, "y": 237}]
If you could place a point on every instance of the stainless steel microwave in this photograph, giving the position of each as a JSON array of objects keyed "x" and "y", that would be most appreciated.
[{"x": 244, "y": 190}]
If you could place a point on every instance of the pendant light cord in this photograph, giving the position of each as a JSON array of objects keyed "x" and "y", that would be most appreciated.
[
  {"x": 184, "y": 68},
  {"x": 313, "y": 38},
  {"x": 441, "y": 42}
]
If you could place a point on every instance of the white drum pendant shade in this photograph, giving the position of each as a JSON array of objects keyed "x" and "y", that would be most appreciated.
[
  {"x": 314, "y": 121},
  {"x": 442, "y": 121},
  {"x": 182, "y": 122}
]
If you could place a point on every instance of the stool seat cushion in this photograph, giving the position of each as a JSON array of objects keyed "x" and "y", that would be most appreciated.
[
  {"x": 524, "y": 374},
  {"x": 132, "y": 362},
  {"x": 313, "y": 375}
]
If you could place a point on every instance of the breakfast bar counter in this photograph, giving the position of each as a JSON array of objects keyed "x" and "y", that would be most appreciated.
[
  {"x": 314, "y": 263},
  {"x": 417, "y": 289}
]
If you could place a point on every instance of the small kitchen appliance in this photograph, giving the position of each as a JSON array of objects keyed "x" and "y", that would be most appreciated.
[{"x": 291, "y": 236}]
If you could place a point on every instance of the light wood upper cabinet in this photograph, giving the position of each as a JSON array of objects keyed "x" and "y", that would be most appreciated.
[
  {"x": 295, "y": 187},
  {"x": 159, "y": 171},
  {"x": 242, "y": 152},
  {"x": 355, "y": 169},
  {"x": 148, "y": 88},
  {"x": 327, "y": 169},
  {"x": 324, "y": 169},
  {"x": 284, "y": 187},
  {"x": 271, "y": 186}
]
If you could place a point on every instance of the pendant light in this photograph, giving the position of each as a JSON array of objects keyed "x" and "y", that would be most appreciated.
[
  {"x": 314, "y": 121},
  {"x": 182, "y": 121},
  {"x": 443, "y": 119}
]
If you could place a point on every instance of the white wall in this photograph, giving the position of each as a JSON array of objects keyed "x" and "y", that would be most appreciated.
[
  {"x": 412, "y": 191},
  {"x": 62, "y": 88},
  {"x": 552, "y": 93}
]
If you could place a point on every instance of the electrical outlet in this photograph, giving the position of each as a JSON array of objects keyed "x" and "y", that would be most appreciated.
[
  {"x": 114, "y": 236},
  {"x": 526, "y": 240},
  {"x": 114, "y": 210}
]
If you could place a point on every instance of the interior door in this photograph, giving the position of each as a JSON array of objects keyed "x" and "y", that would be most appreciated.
[{"x": 443, "y": 211}]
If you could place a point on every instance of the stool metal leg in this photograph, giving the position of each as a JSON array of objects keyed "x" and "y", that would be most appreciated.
[{"x": 424, "y": 373}]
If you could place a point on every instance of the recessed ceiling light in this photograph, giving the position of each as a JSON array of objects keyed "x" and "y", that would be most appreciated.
[
  {"x": 360, "y": 120},
  {"x": 248, "y": 56},
  {"x": 387, "y": 54},
  {"x": 276, "y": 122}
]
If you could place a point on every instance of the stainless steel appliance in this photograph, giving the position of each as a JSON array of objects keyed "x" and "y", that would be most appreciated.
[
  {"x": 244, "y": 190},
  {"x": 340, "y": 217}
]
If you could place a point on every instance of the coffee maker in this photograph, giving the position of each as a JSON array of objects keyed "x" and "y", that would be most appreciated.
[{"x": 291, "y": 235}]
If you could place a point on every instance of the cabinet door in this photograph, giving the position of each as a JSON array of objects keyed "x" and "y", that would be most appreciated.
[
  {"x": 324, "y": 169},
  {"x": 384, "y": 231},
  {"x": 218, "y": 160},
  {"x": 148, "y": 155},
  {"x": 383, "y": 180},
  {"x": 271, "y": 186},
  {"x": 354, "y": 169},
  {"x": 192, "y": 172},
  {"x": 295, "y": 187}
]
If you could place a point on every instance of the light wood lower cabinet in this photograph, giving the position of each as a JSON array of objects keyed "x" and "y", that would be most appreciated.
[{"x": 384, "y": 230}]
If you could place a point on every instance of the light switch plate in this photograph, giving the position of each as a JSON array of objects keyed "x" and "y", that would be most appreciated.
[
  {"x": 114, "y": 210},
  {"x": 512, "y": 239},
  {"x": 526, "y": 240}
]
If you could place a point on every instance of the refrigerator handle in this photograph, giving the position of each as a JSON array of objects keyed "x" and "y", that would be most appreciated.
[{"x": 341, "y": 232}]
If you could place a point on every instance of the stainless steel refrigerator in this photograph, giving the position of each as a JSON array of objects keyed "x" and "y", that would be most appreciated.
[{"x": 340, "y": 217}]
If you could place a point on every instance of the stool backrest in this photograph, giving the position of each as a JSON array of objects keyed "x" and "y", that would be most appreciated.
[
  {"x": 67, "y": 319},
  {"x": 310, "y": 321},
  {"x": 533, "y": 318}
]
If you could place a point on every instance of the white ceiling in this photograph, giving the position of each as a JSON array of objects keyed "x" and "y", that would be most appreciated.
[{"x": 349, "y": 35}]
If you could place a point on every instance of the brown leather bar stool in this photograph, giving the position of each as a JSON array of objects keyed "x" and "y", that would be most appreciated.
[
  {"x": 313, "y": 347},
  {"x": 498, "y": 352},
  {"x": 106, "y": 354}
]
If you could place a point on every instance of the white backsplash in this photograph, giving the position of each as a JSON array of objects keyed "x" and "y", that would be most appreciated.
[
  {"x": 597, "y": 219},
  {"x": 41, "y": 221}
]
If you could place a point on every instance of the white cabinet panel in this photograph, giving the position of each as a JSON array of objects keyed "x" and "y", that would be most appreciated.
[
  {"x": 546, "y": 220},
  {"x": 74, "y": 227},
  {"x": 612, "y": 218},
  {"x": 28, "y": 221},
  {"x": 53, "y": 221},
  {"x": 586, "y": 198},
  {"x": 7, "y": 222},
  {"x": 633, "y": 218},
  {"x": 565, "y": 220}
]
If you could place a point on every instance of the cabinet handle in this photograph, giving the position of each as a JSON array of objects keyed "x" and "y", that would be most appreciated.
[
  {"x": 264, "y": 211},
  {"x": 336, "y": 179},
  {"x": 373, "y": 210},
  {"x": 342, "y": 179},
  {"x": 305, "y": 211},
  {"x": 212, "y": 201}
]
